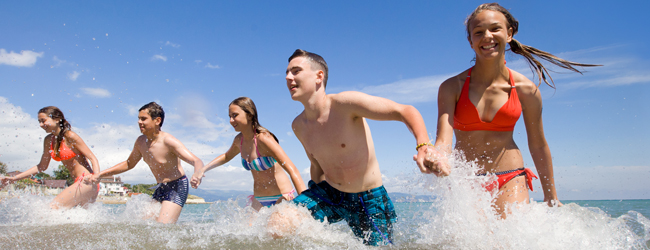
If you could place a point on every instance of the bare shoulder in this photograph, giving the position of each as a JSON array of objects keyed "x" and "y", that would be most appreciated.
[
  {"x": 141, "y": 140},
  {"x": 525, "y": 87},
  {"x": 168, "y": 138},
  {"x": 48, "y": 138},
  {"x": 72, "y": 136},
  {"x": 350, "y": 97},
  {"x": 298, "y": 123},
  {"x": 266, "y": 138},
  {"x": 454, "y": 84}
]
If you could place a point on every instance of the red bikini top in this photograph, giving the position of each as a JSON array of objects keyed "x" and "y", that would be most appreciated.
[
  {"x": 64, "y": 151},
  {"x": 467, "y": 118}
]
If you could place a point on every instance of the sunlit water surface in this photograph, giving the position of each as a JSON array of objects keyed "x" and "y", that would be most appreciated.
[{"x": 460, "y": 218}]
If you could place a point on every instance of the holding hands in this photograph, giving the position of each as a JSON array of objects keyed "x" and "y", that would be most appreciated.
[
  {"x": 196, "y": 179},
  {"x": 431, "y": 161},
  {"x": 4, "y": 181}
]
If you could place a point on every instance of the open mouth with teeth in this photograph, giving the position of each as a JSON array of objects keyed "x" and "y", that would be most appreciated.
[{"x": 486, "y": 47}]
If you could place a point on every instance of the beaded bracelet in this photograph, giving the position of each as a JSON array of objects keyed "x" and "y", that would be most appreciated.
[{"x": 422, "y": 144}]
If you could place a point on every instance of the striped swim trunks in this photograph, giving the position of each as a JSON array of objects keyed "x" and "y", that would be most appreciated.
[
  {"x": 369, "y": 214},
  {"x": 175, "y": 191}
]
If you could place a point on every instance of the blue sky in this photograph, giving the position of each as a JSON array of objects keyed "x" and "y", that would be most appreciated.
[{"x": 100, "y": 61}]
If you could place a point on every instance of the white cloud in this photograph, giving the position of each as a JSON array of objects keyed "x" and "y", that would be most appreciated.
[
  {"x": 97, "y": 92},
  {"x": 57, "y": 62},
  {"x": 21, "y": 139},
  {"x": 26, "y": 58},
  {"x": 133, "y": 110},
  {"x": 415, "y": 90},
  {"x": 168, "y": 43},
  {"x": 198, "y": 61},
  {"x": 212, "y": 66},
  {"x": 159, "y": 57},
  {"x": 74, "y": 75},
  {"x": 619, "y": 69}
]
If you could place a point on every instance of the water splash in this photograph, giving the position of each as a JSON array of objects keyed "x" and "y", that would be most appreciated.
[{"x": 460, "y": 218}]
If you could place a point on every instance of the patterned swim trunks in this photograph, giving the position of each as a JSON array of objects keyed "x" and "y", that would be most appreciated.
[
  {"x": 175, "y": 191},
  {"x": 369, "y": 214}
]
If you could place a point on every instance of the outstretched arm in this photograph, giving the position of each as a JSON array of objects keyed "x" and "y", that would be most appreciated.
[
  {"x": 42, "y": 165},
  {"x": 531, "y": 102},
  {"x": 220, "y": 160},
  {"x": 272, "y": 147},
  {"x": 377, "y": 108},
  {"x": 445, "y": 130},
  {"x": 184, "y": 154},
  {"x": 79, "y": 144},
  {"x": 124, "y": 166}
]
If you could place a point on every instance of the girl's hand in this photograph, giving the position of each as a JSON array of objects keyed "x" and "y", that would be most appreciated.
[
  {"x": 431, "y": 161},
  {"x": 196, "y": 179},
  {"x": 4, "y": 181}
]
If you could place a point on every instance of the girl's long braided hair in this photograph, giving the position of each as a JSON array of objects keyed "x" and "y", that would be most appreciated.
[{"x": 55, "y": 113}]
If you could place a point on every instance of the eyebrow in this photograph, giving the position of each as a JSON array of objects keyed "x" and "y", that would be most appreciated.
[
  {"x": 491, "y": 24},
  {"x": 294, "y": 67}
]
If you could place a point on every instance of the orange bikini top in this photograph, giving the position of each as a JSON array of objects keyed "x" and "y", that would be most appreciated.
[
  {"x": 467, "y": 118},
  {"x": 64, "y": 151}
]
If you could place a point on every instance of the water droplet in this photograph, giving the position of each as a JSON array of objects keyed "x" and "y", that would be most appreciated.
[{"x": 487, "y": 143}]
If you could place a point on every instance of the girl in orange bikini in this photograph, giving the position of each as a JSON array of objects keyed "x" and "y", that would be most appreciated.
[
  {"x": 67, "y": 147},
  {"x": 482, "y": 104}
]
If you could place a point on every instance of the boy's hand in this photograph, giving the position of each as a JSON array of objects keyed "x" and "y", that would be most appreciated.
[
  {"x": 196, "y": 180},
  {"x": 91, "y": 179},
  {"x": 430, "y": 161}
]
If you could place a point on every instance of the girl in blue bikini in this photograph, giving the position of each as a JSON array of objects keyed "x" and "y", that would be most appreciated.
[{"x": 260, "y": 154}]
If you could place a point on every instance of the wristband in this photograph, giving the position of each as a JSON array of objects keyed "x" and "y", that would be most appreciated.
[{"x": 422, "y": 144}]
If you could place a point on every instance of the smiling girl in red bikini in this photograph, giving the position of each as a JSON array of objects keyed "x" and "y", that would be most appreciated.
[
  {"x": 65, "y": 146},
  {"x": 482, "y": 104}
]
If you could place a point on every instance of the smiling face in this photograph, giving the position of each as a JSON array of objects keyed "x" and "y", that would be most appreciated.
[
  {"x": 47, "y": 123},
  {"x": 238, "y": 118},
  {"x": 302, "y": 79},
  {"x": 146, "y": 123},
  {"x": 489, "y": 34}
]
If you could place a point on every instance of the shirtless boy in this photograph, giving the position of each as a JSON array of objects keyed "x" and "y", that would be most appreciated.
[
  {"x": 345, "y": 178},
  {"x": 161, "y": 151}
]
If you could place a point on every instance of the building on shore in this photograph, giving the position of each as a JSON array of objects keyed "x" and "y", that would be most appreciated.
[
  {"x": 112, "y": 185},
  {"x": 53, "y": 187}
]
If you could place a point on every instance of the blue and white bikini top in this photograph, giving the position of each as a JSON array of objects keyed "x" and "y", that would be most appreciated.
[{"x": 261, "y": 163}]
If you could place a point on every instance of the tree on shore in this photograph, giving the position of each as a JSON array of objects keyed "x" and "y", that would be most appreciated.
[
  {"x": 62, "y": 173},
  {"x": 3, "y": 168},
  {"x": 43, "y": 176},
  {"x": 141, "y": 188}
]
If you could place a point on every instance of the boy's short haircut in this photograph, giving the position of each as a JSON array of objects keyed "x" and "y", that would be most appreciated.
[
  {"x": 154, "y": 111},
  {"x": 317, "y": 62}
]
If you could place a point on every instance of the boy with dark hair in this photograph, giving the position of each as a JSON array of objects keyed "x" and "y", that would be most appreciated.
[
  {"x": 161, "y": 151},
  {"x": 345, "y": 181}
]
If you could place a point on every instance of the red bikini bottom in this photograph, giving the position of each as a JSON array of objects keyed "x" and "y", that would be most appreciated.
[{"x": 505, "y": 176}]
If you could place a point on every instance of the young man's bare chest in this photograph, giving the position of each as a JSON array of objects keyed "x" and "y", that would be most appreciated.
[
  {"x": 156, "y": 154},
  {"x": 337, "y": 140}
]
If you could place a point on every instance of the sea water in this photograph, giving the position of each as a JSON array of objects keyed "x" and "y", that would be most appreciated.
[{"x": 461, "y": 217}]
